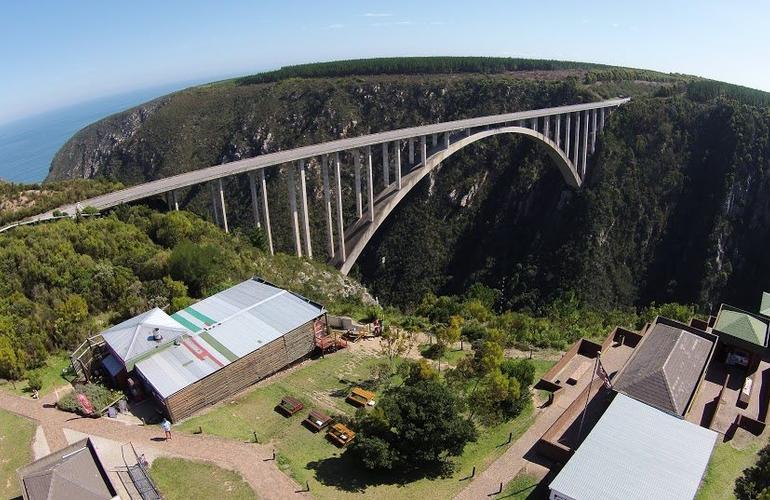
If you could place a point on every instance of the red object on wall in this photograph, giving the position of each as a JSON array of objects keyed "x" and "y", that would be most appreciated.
[{"x": 88, "y": 408}]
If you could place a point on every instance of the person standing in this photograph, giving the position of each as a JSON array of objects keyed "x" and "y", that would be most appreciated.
[{"x": 166, "y": 426}]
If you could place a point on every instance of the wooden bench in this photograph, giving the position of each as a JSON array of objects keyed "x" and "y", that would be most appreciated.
[
  {"x": 340, "y": 435},
  {"x": 360, "y": 397},
  {"x": 579, "y": 372},
  {"x": 317, "y": 420},
  {"x": 290, "y": 405}
]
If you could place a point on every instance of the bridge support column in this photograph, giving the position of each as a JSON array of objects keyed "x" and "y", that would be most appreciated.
[
  {"x": 467, "y": 132},
  {"x": 576, "y": 147},
  {"x": 547, "y": 127},
  {"x": 435, "y": 140},
  {"x": 593, "y": 131},
  {"x": 397, "y": 153},
  {"x": 385, "y": 165},
  {"x": 327, "y": 206},
  {"x": 357, "y": 180},
  {"x": 411, "y": 151},
  {"x": 446, "y": 140},
  {"x": 424, "y": 150},
  {"x": 370, "y": 182},
  {"x": 254, "y": 199},
  {"x": 338, "y": 190},
  {"x": 222, "y": 204},
  {"x": 585, "y": 144},
  {"x": 533, "y": 124},
  {"x": 293, "y": 210},
  {"x": 266, "y": 210},
  {"x": 171, "y": 201},
  {"x": 557, "y": 132},
  {"x": 305, "y": 219},
  {"x": 601, "y": 119},
  {"x": 568, "y": 118}
]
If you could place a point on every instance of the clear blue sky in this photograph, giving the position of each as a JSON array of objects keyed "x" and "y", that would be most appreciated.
[{"x": 57, "y": 53}]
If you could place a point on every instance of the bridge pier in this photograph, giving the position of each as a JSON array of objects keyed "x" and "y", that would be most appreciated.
[
  {"x": 397, "y": 153},
  {"x": 576, "y": 146},
  {"x": 411, "y": 151},
  {"x": 533, "y": 124},
  {"x": 567, "y": 134},
  {"x": 327, "y": 206},
  {"x": 293, "y": 210},
  {"x": 446, "y": 140},
  {"x": 424, "y": 150},
  {"x": 593, "y": 131},
  {"x": 357, "y": 181},
  {"x": 435, "y": 140},
  {"x": 340, "y": 226},
  {"x": 304, "y": 216},
  {"x": 254, "y": 199},
  {"x": 585, "y": 145},
  {"x": 222, "y": 204},
  {"x": 547, "y": 127},
  {"x": 385, "y": 165},
  {"x": 370, "y": 182},
  {"x": 266, "y": 210},
  {"x": 557, "y": 132},
  {"x": 601, "y": 119},
  {"x": 214, "y": 209}
]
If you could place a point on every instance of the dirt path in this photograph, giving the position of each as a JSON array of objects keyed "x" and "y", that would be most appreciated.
[{"x": 251, "y": 460}]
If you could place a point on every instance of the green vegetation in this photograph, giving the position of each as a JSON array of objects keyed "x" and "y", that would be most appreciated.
[
  {"x": 179, "y": 479},
  {"x": 755, "y": 481},
  {"x": 18, "y": 201},
  {"x": 99, "y": 396},
  {"x": 16, "y": 435},
  {"x": 520, "y": 487},
  {"x": 727, "y": 463},
  {"x": 65, "y": 281},
  {"x": 420, "y": 65},
  {"x": 54, "y": 373}
]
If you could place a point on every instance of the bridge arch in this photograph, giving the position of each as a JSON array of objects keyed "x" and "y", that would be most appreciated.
[{"x": 359, "y": 235}]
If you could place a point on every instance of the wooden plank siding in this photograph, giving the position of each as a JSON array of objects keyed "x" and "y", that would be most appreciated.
[{"x": 244, "y": 372}]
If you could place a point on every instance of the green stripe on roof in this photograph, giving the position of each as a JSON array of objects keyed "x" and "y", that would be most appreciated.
[
  {"x": 187, "y": 324},
  {"x": 192, "y": 312},
  {"x": 224, "y": 351},
  {"x": 764, "y": 307},
  {"x": 742, "y": 326}
]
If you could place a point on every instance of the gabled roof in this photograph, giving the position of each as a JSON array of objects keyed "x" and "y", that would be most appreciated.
[
  {"x": 741, "y": 325},
  {"x": 72, "y": 472},
  {"x": 764, "y": 306},
  {"x": 133, "y": 338},
  {"x": 636, "y": 452},
  {"x": 665, "y": 368}
]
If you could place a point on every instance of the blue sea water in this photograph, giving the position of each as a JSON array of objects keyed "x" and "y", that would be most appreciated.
[{"x": 27, "y": 146}]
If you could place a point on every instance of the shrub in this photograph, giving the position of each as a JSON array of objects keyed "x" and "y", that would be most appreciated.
[
  {"x": 34, "y": 381},
  {"x": 99, "y": 395}
]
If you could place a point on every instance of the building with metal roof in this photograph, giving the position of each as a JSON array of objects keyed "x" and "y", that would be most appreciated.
[
  {"x": 667, "y": 366},
  {"x": 636, "y": 451},
  {"x": 764, "y": 305},
  {"x": 72, "y": 472},
  {"x": 742, "y": 325},
  {"x": 222, "y": 333}
]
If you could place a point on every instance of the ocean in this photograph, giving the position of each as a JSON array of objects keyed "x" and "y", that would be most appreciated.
[{"x": 28, "y": 145}]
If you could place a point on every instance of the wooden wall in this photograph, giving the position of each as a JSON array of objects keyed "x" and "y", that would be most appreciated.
[{"x": 242, "y": 373}]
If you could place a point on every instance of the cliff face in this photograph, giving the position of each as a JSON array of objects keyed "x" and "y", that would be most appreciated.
[{"x": 675, "y": 207}]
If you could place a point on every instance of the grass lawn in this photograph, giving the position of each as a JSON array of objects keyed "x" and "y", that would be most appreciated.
[
  {"x": 726, "y": 464},
  {"x": 520, "y": 487},
  {"x": 52, "y": 375},
  {"x": 16, "y": 435},
  {"x": 307, "y": 456},
  {"x": 181, "y": 479}
]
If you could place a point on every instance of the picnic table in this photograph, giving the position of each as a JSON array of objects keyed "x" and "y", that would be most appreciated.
[
  {"x": 290, "y": 405},
  {"x": 317, "y": 420},
  {"x": 360, "y": 397},
  {"x": 340, "y": 435}
]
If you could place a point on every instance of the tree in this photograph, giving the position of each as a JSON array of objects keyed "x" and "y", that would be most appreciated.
[
  {"x": 194, "y": 264},
  {"x": 72, "y": 323},
  {"x": 395, "y": 342},
  {"x": 34, "y": 381},
  {"x": 755, "y": 481},
  {"x": 9, "y": 362},
  {"x": 414, "y": 426},
  {"x": 447, "y": 335}
]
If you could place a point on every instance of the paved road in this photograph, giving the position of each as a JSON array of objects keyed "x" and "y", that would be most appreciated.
[
  {"x": 248, "y": 459},
  {"x": 194, "y": 177}
]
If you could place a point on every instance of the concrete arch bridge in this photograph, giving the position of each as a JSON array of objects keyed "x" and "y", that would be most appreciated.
[{"x": 405, "y": 155}]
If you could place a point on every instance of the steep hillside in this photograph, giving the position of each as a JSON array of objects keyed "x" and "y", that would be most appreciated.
[{"x": 673, "y": 209}]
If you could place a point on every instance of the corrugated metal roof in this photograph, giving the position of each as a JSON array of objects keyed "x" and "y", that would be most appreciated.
[
  {"x": 132, "y": 339},
  {"x": 741, "y": 325},
  {"x": 227, "y": 326},
  {"x": 637, "y": 452},
  {"x": 764, "y": 306}
]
